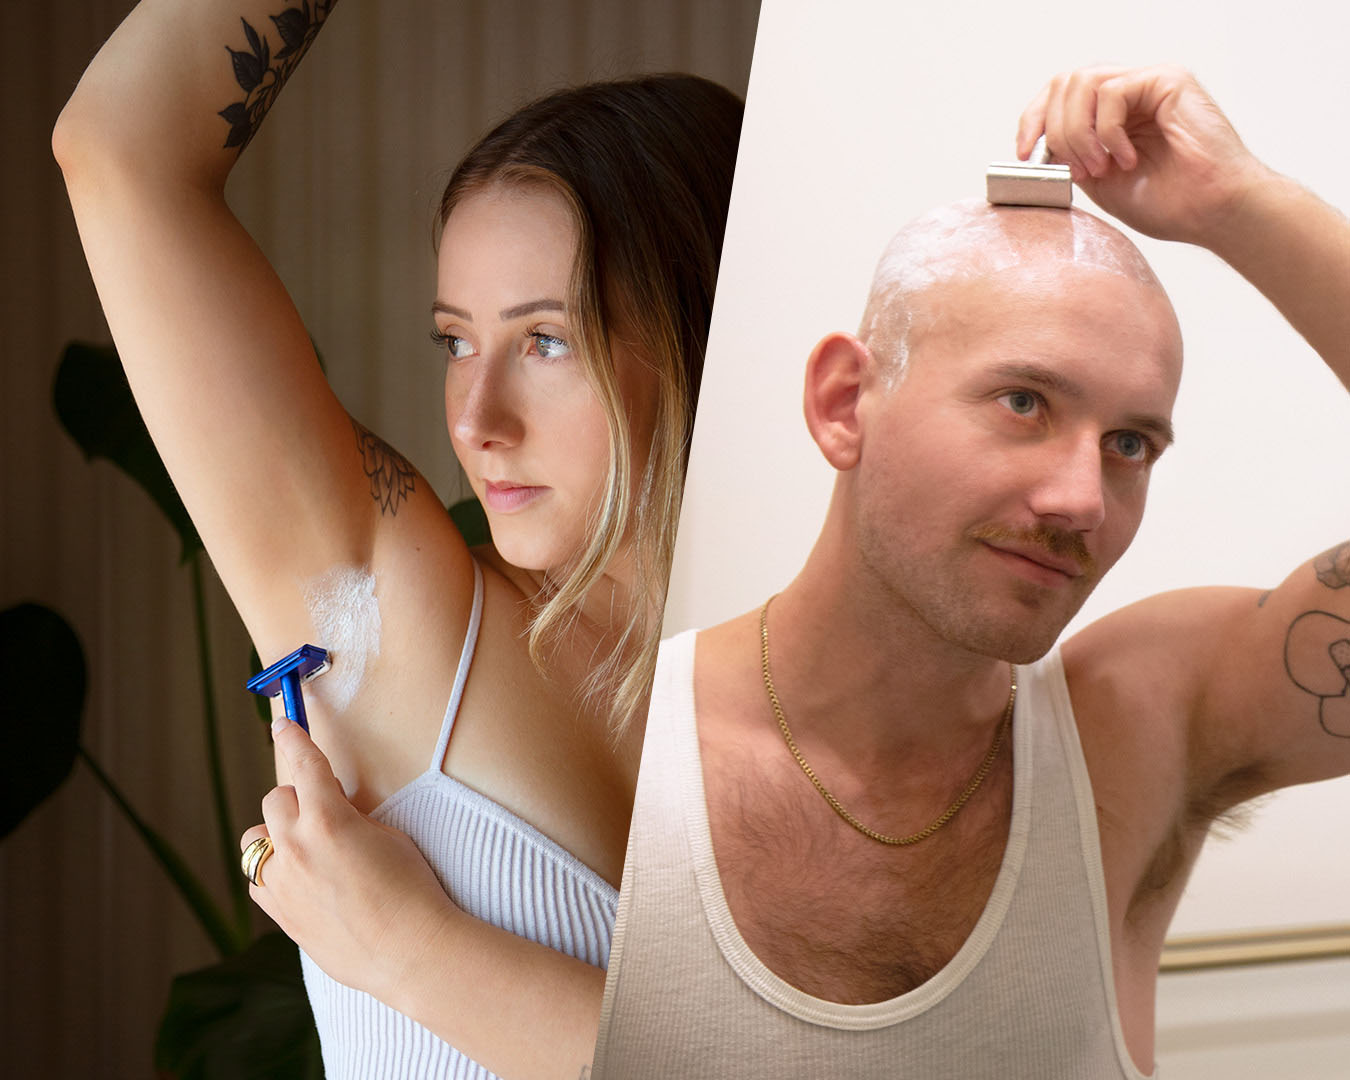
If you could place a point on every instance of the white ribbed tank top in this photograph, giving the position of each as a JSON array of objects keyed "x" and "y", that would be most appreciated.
[
  {"x": 496, "y": 867},
  {"x": 1029, "y": 996}
]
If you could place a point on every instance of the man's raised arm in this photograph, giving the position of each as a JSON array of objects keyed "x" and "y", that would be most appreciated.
[{"x": 1261, "y": 679}]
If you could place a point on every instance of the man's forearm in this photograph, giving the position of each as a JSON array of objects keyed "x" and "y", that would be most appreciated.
[{"x": 1295, "y": 249}]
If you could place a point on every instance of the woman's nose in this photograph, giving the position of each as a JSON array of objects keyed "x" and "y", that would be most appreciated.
[{"x": 479, "y": 399}]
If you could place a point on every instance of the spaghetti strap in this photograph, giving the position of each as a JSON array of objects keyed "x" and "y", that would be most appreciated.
[{"x": 462, "y": 672}]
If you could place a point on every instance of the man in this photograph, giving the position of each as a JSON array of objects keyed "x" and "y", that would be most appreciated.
[{"x": 851, "y": 861}]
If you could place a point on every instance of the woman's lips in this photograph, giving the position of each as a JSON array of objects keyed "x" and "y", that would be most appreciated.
[{"x": 504, "y": 497}]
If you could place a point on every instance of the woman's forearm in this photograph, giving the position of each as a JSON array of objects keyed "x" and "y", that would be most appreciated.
[
  {"x": 522, "y": 1009},
  {"x": 183, "y": 84}
]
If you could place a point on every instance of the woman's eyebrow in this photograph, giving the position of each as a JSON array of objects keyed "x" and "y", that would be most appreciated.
[
  {"x": 440, "y": 306},
  {"x": 529, "y": 308}
]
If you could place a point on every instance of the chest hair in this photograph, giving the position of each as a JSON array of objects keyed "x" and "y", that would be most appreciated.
[{"x": 836, "y": 914}]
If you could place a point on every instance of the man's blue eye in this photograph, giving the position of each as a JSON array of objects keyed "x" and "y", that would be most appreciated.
[
  {"x": 1022, "y": 402},
  {"x": 1132, "y": 445}
]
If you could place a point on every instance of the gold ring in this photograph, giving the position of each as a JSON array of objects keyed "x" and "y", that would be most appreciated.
[{"x": 254, "y": 856}]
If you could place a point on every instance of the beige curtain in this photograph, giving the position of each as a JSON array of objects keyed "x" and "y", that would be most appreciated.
[{"x": 338, "y": 188}]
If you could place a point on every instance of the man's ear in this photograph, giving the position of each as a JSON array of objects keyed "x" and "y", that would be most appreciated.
[{"x": 835, "y": 374}]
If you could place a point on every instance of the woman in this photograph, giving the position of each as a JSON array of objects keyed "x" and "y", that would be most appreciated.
[{"x": 577, "y": 253}]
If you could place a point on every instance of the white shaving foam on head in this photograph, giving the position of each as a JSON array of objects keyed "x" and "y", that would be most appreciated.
[
  {"x": 970, "y": 241},
  {"x": 345, "y": 614}
]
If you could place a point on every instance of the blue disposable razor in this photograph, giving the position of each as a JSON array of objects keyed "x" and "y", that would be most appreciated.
[{"x": 285, "y": 676}]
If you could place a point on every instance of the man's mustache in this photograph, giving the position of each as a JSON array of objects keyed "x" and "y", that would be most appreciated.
[{"x": 1047, "y": 537}]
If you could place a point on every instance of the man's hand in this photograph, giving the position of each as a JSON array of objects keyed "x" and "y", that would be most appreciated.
[
  {"x": 355, "y": 895},
  {"x": 1148, "y": 146}
]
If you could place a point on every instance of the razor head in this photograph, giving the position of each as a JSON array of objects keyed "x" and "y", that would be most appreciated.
[
  {"x": 307, "y": 662},
  {"x": 1034, "y": 182},
  {"x": 1014, "y": 183}
]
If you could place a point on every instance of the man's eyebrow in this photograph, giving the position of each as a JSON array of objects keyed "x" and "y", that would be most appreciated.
[
  {"x": 1157, "y": 426},
  {"x": 1039, "y": 376}
]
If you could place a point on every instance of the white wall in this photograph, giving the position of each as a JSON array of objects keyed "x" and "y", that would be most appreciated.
[{"x": 863, "y": 115}]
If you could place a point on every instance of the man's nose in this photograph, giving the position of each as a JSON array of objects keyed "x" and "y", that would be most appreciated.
[
  {"x": 485, "y": 413},
  {"x": 1070, "y": 490}
]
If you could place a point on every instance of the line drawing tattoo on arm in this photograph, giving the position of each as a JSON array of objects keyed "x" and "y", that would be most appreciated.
[
  {"x": 391, "y": 475},
  {"x": 1317, "y": 648},
  {"x": 1333, "y": 567},
  {"x": 261, "y": 74}
]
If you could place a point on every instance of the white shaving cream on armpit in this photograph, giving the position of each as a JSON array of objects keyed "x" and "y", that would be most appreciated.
[
  {"x": 345, "y": 615},
  {"x": 969, "y": 240}
]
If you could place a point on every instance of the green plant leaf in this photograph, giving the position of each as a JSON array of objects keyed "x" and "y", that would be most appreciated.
[
  {"x": 228, "y": 939},
  {"x": 42, "y": 669},
  {"x": 94, "y": 404},
  {"x": 246, "y": 1017},
  {"x": 472, "y": 523}
]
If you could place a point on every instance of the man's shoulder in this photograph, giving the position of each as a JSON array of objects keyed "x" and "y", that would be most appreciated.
[{"x": 1151, "y": 654}]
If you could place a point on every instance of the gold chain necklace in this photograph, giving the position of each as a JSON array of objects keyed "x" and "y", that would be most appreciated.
[{"x": 898, "y": 841}]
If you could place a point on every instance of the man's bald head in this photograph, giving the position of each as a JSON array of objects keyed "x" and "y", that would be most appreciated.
[{"x": 971, "y": 241}]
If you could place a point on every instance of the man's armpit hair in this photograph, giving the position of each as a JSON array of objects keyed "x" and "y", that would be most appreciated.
[
  {"x": 392, "y": 477},
  {"x": 1222, "y": 812}
]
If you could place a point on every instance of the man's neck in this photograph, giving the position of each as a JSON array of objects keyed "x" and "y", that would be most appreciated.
[{"x": 853, "y": 661}]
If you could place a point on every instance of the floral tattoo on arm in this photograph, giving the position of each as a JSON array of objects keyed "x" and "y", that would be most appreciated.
[
  {"x": 391, "y": 475},
  {"x": 261, "y": 73},
  {"x": 1317, "y": 648}
]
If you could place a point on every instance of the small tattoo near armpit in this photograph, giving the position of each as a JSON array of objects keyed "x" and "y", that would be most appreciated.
[
  {"x": 1333, "y": 567},
  {"x": 1317, "y": 660},
  {"x": 1261, "y": 600},
  {"x": 391, "y": 475},
  {"x": 261, "y": 74}
]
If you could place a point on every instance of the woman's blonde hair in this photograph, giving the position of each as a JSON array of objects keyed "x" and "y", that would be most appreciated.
[{"x": 645, "y": 166}]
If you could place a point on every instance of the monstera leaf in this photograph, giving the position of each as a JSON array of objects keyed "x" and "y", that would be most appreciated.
[
  {"x": 94, "y": 404},
  {"x": 244, "y": 1017},
  {"x": 42, "y": 669}
]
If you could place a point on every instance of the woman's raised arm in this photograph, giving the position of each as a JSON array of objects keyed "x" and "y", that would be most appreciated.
[{"x": 276, "y": 476}]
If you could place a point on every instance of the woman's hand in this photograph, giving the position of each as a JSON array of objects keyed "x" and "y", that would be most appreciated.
[
  {"x": 1149, "y": 146},
  {"x": 361, "y": 901},
  {"x": 355, "y": 895}
]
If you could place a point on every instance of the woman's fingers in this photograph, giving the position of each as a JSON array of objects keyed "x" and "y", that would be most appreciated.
[
  {"x": 311, "y": 775},
  {"x": 255, "y": 833}
]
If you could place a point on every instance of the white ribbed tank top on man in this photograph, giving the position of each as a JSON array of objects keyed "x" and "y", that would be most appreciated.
[
  {"x": 1029, "y": 996},
  {"x": 496, "y": 867}
]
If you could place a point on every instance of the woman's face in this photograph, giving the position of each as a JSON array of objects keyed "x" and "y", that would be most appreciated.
[{"x": 527, "y": 427}]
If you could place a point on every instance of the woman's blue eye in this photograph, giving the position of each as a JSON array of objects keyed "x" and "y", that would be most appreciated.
[
  {"x": 457, "y": 347},
  {"x": 550, "y": 347}
]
